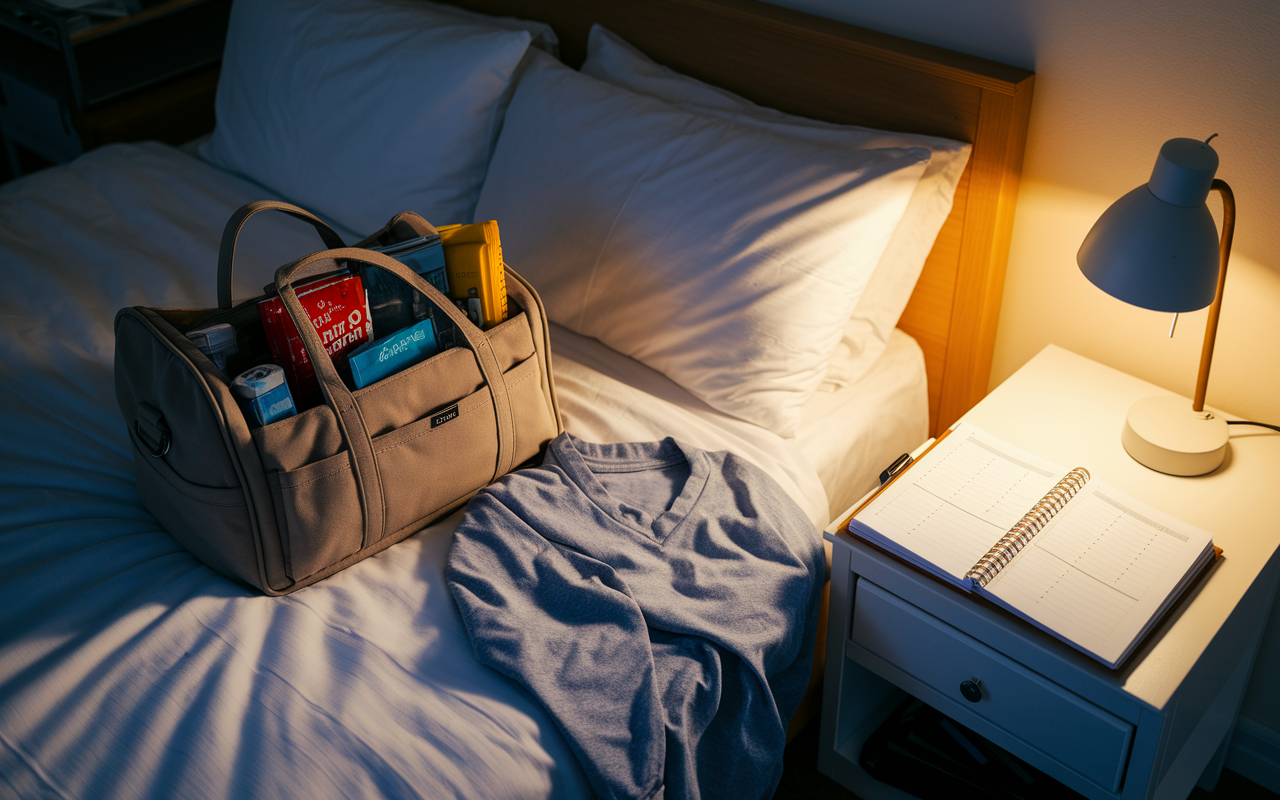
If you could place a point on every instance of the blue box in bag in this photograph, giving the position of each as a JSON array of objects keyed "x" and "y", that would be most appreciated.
[{"x": 404, "y": 348}]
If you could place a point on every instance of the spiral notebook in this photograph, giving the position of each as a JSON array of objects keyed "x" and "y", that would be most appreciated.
[{"x": 1056, "y": 546}]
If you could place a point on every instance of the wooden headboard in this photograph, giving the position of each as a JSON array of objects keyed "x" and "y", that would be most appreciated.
[{"x": 830, "y": 70}]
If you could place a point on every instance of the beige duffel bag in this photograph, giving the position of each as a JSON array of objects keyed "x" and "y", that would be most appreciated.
[{"x": 286, "y": 504}]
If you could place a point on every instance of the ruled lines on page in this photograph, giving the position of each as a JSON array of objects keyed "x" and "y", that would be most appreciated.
[
  {"x": 993, "y": 486},
  {"x": 1113, "y": 544},
  {"x": 1061, "y": 598},
  {"x": 940, "y": 532},
  {"x": 960, "y": 505},
  {"x": 1090, "y": 568}
]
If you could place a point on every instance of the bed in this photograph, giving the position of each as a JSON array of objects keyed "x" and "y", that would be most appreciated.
[{"x": 129, "y": 669}]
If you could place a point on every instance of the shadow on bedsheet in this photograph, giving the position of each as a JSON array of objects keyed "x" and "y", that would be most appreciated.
[{"x": 129, "y": 669}]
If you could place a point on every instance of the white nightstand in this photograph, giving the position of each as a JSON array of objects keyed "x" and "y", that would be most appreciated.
[{"x": 1148, "y": 730}]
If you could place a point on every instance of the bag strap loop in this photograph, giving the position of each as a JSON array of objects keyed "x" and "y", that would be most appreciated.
[
  {"x": 227, "y": 249},
  {"x": 152, "y": 431},
  {"x": 354, "y": 430}
]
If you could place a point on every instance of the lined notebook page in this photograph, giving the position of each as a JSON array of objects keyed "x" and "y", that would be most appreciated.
[
  {"x": 1101, "y": 570},
  {"x": 949, "y": 509}
]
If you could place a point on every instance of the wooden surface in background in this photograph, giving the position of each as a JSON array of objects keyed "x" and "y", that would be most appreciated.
[
  {"x": 824, "y": 69},
  {"x": 174, "y": 112}
]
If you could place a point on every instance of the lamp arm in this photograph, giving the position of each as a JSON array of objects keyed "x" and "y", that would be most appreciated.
[{"x": 1215, "y": 309}]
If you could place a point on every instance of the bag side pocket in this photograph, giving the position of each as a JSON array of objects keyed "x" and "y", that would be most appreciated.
[
  {"x": 535, "y": 421},
  {"x": 209, "y": 521}
]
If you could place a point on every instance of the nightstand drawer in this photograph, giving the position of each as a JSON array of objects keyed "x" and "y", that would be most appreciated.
[{"x": 1062, "y": 726}]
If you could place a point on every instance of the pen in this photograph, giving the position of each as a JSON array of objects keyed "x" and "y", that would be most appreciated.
[{"x": 899, "y": 466}]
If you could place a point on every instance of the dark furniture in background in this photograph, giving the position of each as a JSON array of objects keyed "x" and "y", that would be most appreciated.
[{"x": 71, "y": 81}]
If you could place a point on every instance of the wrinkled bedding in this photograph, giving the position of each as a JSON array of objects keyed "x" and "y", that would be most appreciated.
[{"x": 127, "y": 667}]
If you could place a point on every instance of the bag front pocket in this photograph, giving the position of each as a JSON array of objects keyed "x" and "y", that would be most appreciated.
[
  {"x": 415, "y": 392},
  {"x": 423, "y": 466},
  {"x": 431, "y": 463},
  {"x": 433, "y": 451}
]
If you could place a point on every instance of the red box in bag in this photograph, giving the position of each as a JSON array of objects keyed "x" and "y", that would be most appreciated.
[{"x": 339, "y": 311}]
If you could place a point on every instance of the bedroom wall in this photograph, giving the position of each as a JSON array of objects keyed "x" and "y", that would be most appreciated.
[{"x": 1113, "y": 82}]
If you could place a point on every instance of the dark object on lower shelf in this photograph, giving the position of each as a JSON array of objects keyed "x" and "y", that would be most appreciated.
[{"x": 933, "y": 757}]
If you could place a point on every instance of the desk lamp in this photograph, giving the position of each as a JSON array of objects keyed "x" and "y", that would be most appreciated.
[{"x": 1157, "y": 247}]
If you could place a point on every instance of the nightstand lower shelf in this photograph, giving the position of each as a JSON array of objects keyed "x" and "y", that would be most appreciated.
[{"x": 876, "y": 701}]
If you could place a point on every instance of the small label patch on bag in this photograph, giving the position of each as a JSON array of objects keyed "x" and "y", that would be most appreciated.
[{"x": 444, "y": 416}]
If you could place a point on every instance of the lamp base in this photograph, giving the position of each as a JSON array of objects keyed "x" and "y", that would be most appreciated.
[{"x": 1164, "y": 434}]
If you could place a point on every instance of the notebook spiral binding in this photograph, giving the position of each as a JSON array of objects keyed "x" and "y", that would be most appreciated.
[{"x": 1003, "y": 551}]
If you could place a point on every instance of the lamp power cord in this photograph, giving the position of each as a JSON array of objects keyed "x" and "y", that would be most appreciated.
[{"x": 1259, "y": 424}]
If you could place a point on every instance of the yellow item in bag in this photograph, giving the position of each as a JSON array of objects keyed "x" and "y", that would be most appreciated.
[{"x": 477, "y": 276}]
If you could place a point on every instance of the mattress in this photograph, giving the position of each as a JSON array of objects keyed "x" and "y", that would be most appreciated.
[
  {"x": 852, "y": 433},
  {"x": 129, "y": 669}
]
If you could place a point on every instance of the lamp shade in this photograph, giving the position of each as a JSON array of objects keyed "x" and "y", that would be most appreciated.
[{"x": 1157, "y": 246}]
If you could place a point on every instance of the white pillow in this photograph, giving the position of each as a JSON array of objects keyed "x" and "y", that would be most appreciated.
[
  {"x": 612, "y": 59},
  {"x": 544, "y": 36},
  {"x": 360, "y": 109},
  {"x": 725, "y": 257}
]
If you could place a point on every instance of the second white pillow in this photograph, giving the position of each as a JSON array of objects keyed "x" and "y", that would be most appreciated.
[
  {"x": 725, "y": 257},
  {"x": 613, "y": 60}
]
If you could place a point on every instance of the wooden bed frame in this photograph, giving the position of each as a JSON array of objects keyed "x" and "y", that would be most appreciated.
[{"x": 830, "y": 70}]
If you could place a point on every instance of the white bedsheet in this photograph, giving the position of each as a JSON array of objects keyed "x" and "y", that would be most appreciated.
[
  {"x": 846, "y": 436},
  {"x": 851, "y": 434},
  {"x": 127, "y": 668}
]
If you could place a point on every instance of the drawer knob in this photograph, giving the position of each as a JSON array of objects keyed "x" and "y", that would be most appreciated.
[{"x": 972, "y": 690}]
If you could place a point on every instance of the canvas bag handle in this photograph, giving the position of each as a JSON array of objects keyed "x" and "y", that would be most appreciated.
[
  {"x": 227, "y": 249},
  {"x": 339, "y": 398}
]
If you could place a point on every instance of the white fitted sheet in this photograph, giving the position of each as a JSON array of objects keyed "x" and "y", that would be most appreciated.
[
  {"x": 129, "y": 669},
  {"x": 849, "y": 435}
]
